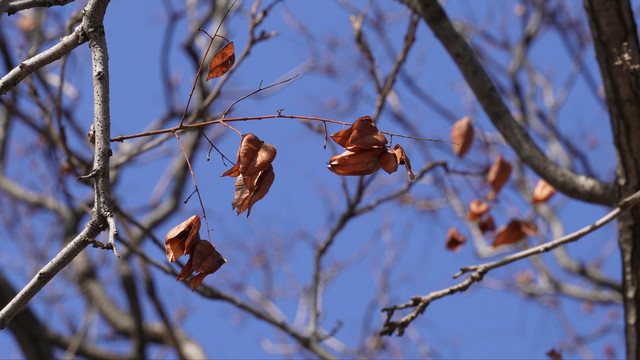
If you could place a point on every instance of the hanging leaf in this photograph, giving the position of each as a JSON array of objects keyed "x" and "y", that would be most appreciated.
[
  {"x": 477, "y": 208},
  {"x": 362, "y": 135},
  {"x": 404, "y": 160},
  {"x": 509, "y": 234},
  {"x": 542, "y": 192},
  {"x": 462, "y": 136},
  {"x": 486, "y": 224},
  {"x": 454, "y": 240},
  {"x": 363, "y": 162},
  {"x": 254, "y": 172},
  {"x": 498, "y": 175},
  {"x": 180, "y": 240},
  {"x": 389, "y": 161},
  {"x": 204, "y": 260},
  {"x": 222, "y": 61}
]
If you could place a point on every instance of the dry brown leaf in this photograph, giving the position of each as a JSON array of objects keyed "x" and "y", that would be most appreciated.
[
  {"x": 254, "y": 172},
  {"x": 363, "y": 134},
  {"x": 486, "y": 224},
  {"x": 529, "y": 227},
  {"x": 182, "y": 237},
  {"x": 455, "y": 240},
  {"x": 389, "y": 161},
  {"x": 363, "y": 162},
  {"x": 553, "y": 354},
  {"x": 498, "y": 175},
  {"x": 247, "y": 195},
  {"x": 222, "y": 61},
  {"x": 477, "y": 208},
  {"x": 462, "y": 136},
  {"x": 542, "y": 192},
  {"x": 509, "y": 234},
  {"x": 404, "y": 160},
  {"x": 204, "y": 260}
]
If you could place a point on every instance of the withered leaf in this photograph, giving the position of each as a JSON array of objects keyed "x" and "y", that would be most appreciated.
[
  {"x": 486, "y": 224},
  {"x": 462, "y": 136},
  {"x": 389, "y": 161},
  {"x": 180, "y": 240},
  {"x": 363, "y": 134},
  {"x": 222, "y": 61},
  {"x": 455, "y": 240},
  {"x": 204, "y": 260},
  {"x": 362, "y": 162},
  {"x": 553, "y": 354},
  {"x": 254, "y": 172},
  {"x": 246, "y": 196},
  {"x": 509, "y": 234},
  {"x": 477, "y": 208},
  {"x": 498, "y": 175},
  {"x": 542, "y": 192},
  {"x": 404, "y": 160}
]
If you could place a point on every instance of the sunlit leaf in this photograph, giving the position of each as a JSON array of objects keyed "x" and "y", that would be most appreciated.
[
  {"x": 462, "y": 136},
  {"x": 542, "y": 192},
  {"x": 363, "y": 134},
  {"x": 222, "y": 61},
  {"x": 404, "y": 160},
  {"x": 509, "y": 234},
  {"x": 363, "y": 162},
  {"x": 182, "y": 237},
  {"x": 498, "y": 175},
  {"x": 477, "y": 208},
  {"x": 389, "y": 161}
]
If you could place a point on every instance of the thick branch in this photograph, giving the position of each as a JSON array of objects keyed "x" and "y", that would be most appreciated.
[{"x": 577, "y": 186}]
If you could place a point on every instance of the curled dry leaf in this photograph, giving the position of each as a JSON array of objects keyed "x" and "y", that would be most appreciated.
[
  {"x": 462, "y": 136},
  {"x": 251, "y": 189},
  {"x": 509, "y": 234},
  {"x": 222, "y": 61},
  {"x": 363, "y": 134},
  {"x": 553, "y": 354},
  {"x": 366, "y": 151},
  {"x": 254, "y": 172},
  {"x": 477, "y": 208},
  {"x": 454, "y": 240},
  {"x": 181, "y": 239},
  {"x": 362, "y": 162},
  {"x": 486, "y": 224},
  {"x": 498, "y": 175},
  {"x": 204, "y": 260},
  {"x": 542, "y": 192}
]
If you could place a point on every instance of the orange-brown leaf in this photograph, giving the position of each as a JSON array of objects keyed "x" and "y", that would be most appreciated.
[
  {"x": 206, "y": 259},
  {"x": 462, "y": 136},
  {"x": 182, "y": 237},
  {"x": 455, "y": 240},
  {"x": 477, "y": 208},
  {"x": 509, "y": 234},
  {"x": 362, "y": 135},
  {"x": 498, "y": 175},
  {"x": 404, "y": 160},
  {"x": 363, "y": 162},
  {"x": 246, "y": 196},
  {"x": 254, "y": 156},
  {"x": 222, "y": 61},
  {"x": 389, "y": 161},
  {"x": 486, "y": 224},
  {"x": 542, "y": 192},
  {"x": 186, "y": 271}
]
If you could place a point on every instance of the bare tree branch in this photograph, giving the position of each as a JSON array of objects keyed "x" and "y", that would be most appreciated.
[
  {"x": 577, "y": 186},
  {"x": 420, "y": 303}
]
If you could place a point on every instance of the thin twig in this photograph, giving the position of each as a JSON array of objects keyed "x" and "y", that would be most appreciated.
[{"x": 420, "y": 303}]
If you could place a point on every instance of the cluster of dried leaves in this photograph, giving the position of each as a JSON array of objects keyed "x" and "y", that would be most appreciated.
[
  {"x": 254, "y": 172},
  {"x": 366, "y": 151},
  {"x": 497, "y": 176},
  {"x": 204, "y": 259}
]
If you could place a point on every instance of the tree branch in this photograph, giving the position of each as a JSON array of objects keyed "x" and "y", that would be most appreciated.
[
  {"x": 576, "y": 186},
  {"x": 420, "y": 303}
]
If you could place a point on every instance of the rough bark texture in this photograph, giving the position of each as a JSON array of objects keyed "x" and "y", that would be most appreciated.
[{"x": 612, "y": 25}]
